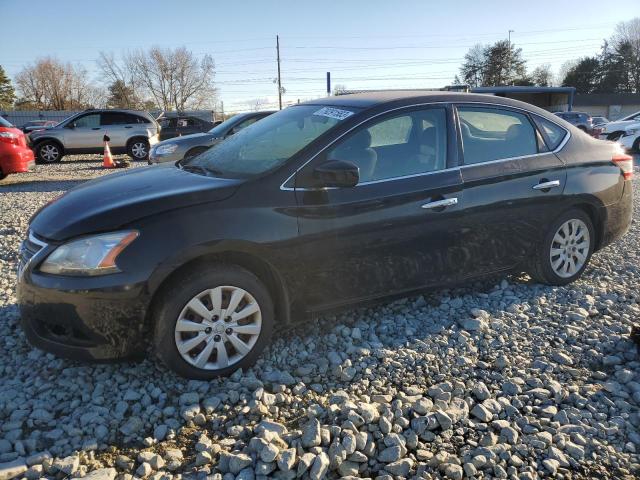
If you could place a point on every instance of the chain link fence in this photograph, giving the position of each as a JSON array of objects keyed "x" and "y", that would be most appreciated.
[{"x": 20, "y": 117}]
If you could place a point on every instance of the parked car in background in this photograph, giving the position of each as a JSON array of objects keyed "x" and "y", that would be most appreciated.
[
  {"x": 34, "y": 125},
  {"x": 15, "y": 155},
  {"x": 626, "y": 132},
  {"x": 598, "y": 121},
  {"x": 179, "y": 125},
  {"x": 328, "y": 203},
  {"x": 191, "y": 145},
  {"x": 580, "y": 119},
  {"x": 131, "y": 132}
]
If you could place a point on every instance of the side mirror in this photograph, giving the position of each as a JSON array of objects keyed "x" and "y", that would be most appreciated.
[
  {"x": 337, "y": 173},
  {"x": 231, "y": 132},
  {"x": 71, "y": 125}
]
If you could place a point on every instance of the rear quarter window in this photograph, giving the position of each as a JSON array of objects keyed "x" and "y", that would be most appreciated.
[{"x": 553, "y": 134}]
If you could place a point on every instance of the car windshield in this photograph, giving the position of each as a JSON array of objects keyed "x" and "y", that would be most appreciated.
[
  {"x": 633, "y": 116},
  {"x": 269, "y": 143},
  {"x": 220, "y": 129}
]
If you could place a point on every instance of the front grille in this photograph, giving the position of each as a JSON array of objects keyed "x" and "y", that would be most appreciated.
[{"x": 28, "y": 249}]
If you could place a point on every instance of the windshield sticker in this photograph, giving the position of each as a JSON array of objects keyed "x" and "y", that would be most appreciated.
[{"x": 333, "y": 113}]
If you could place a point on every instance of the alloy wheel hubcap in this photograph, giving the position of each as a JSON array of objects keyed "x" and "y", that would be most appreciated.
[
  {"x": 49, "y": 153},
  {"x": 569, "y": 248},
  {"x": 218, "y": 327},
  {"x": 139, "y": 150}
]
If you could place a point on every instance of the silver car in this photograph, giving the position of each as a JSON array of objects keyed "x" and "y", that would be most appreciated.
[
  {"x": 175, "y": 149},
  {"x": 129, "y": 131}
]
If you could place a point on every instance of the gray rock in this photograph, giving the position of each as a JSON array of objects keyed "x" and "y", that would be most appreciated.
[
  {"x": 481, "y": 413},
  {"x": 12, "y": 469},
  {"x": 391, "y": 454},
  {"x": 311, "y": 434},
  {"x": 400, "y": 468},
  {"x": 320, "y": 467},
  {"x": 101, "y": 474},
  {"x": 481, "y": 392}
]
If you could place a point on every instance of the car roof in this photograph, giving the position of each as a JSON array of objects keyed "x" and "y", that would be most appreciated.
[{"x": 407, "y": 97}]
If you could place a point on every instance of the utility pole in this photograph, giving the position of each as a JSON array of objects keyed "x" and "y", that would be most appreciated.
[
  {"x": 328, "y": 84},
  {"x": 510, "y": 53},
  {"x": 279, "y": 80}
]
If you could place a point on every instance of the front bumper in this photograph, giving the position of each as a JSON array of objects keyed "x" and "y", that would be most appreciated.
[
  {"x": 84, "y": 318},
  {"x": 17, "y": 160}
]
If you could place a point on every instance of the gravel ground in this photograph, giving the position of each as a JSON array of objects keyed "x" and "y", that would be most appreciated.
[{"x": 500, "y": 379}]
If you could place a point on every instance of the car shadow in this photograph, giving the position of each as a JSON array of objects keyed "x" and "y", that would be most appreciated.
[{"x": 40, "y": 186}]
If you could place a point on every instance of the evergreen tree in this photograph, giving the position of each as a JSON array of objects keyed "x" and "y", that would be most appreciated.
[{"x": 7, "y": 94}]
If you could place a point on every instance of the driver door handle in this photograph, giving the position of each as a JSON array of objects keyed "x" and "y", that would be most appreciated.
[
  {"x": 547, "y": 185},
  {"x": 447, "y": 202}
]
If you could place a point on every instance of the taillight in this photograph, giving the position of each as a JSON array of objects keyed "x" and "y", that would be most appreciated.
[
  {"x": 9, "y": 137},
  {"x": 625, "y": 162}
]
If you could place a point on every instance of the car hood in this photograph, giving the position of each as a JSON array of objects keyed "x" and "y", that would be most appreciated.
[
  {"x": 621, "y": 125},
  {"x": 116, "y": 200}
]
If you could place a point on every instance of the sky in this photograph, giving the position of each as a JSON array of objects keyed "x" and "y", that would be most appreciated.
[{"x": 365, "y": 44}]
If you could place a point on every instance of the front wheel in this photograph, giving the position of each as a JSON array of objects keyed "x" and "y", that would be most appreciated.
[
  {"x": 48, "y": 152},
  {"x": 565, "y": 250},
  {"x": 138, "y": 149},
  {"x": 213, "y": 321}
]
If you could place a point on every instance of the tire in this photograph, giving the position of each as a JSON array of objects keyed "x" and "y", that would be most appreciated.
[
  {"x": 195, "y": 151},
  {"x": 636, "y": 146},
  {"x": 138, "y": 149},
  {"x": 576, "y": 227},
  {"x": 49, "y": 152},
  {"x": 2, "y": 175},
  {"x": 178, "y": 302}
]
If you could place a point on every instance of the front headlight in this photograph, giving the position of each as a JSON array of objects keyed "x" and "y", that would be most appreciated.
[
  {"x": 167, "y": 149},
  {"x": 631, "y": 131},
  {"x": 89, "y": 256}
]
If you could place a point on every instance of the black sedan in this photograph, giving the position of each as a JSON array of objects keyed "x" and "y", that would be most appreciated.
[{"x": 328, "y": 203}]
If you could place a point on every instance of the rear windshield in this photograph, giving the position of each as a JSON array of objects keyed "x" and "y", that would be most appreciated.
[
  {"x": 269, "y": 143},
  {"x": 5, "y": 123}
]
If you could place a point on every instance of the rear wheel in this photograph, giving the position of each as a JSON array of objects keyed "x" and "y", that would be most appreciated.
[
  {"x": 48, "y": 152},
  {"x": 138, "y": 149},
  {"x": 213, "y": 321},
  {"x": 636, "y": 145},
  {"x": 566, "y": 250}
]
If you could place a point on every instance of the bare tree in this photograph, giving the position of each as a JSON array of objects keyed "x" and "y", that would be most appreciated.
[
  {"x": 626, "y": 42},
  {"x": 122, "y": 85},
  {"x": 49, "y": 84},
  {"x": 175, "y": 79},
  {"x": 542, "y": 75}
]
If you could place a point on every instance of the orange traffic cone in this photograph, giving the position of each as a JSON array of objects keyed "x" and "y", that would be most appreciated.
[{"x": 107, "y": 161}]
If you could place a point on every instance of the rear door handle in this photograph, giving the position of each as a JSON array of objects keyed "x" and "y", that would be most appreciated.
[
  {"x": 447, "y": 202},
  {"x": 547, "y": 185},
  {"x": 128, "y": 126}
]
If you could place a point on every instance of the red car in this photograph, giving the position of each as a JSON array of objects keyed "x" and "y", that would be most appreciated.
[{"x": 15, "y": 154}]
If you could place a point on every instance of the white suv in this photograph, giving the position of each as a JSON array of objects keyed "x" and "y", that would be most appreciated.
[
  {"x": 626, "y": 132},
  {"x": 129, "y": 131}
]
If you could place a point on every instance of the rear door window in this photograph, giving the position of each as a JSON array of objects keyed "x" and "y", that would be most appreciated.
[
  {"x": 490, "y": 134},
  {"x": 117, "y": 118}
]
